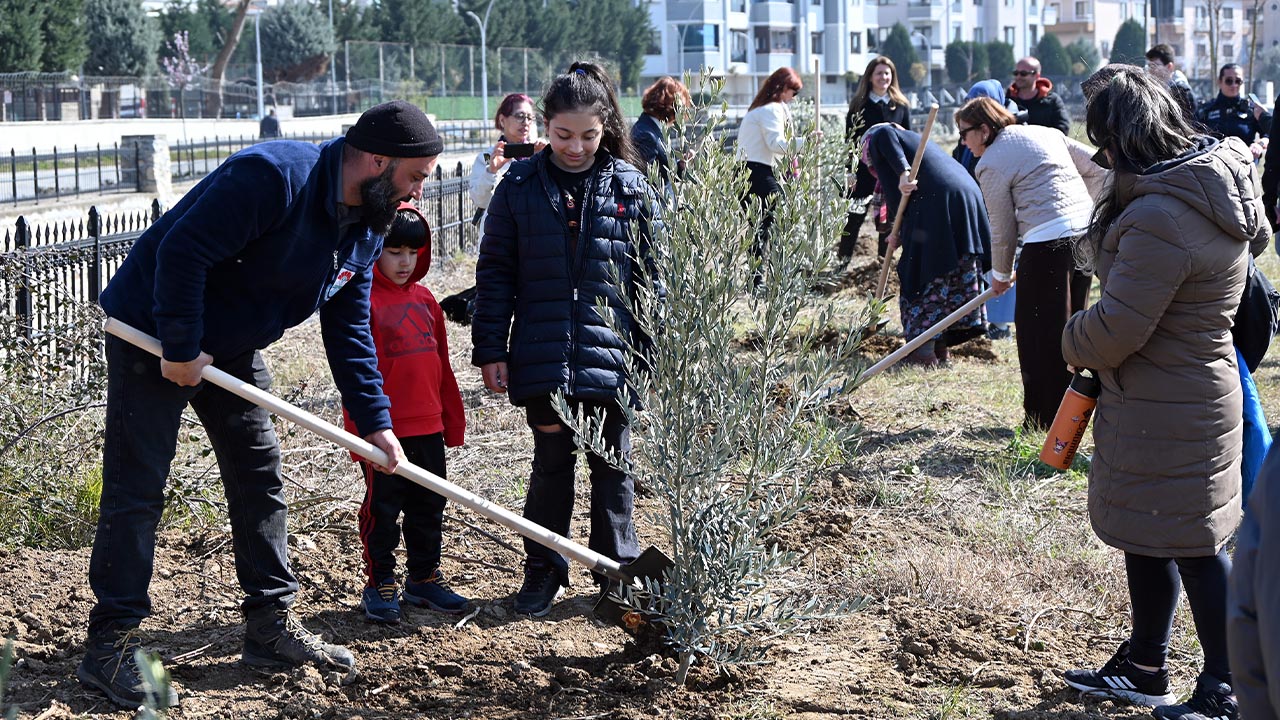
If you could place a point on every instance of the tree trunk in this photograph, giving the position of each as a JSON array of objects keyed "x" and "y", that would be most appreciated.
[
  {"x": 1253, "y": 41},
  {"x": 214, "y": 99}
]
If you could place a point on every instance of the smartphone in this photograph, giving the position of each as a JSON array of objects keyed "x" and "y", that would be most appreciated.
[
  {"x": 515, "y": 151},
  {"x": 1254, "y": 99}
]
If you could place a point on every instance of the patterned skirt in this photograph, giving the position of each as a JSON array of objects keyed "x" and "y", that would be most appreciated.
[{"x": 943, "y": 296}]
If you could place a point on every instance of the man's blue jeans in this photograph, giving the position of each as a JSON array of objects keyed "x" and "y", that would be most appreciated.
[{"x": 144, "y": 412}]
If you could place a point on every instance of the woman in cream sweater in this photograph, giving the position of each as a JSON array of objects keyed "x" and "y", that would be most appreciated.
[{"x": 1038, "y": 186}]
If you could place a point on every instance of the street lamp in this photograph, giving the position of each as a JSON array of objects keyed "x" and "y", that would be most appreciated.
[
  {"x": 255, "y": 10},
  {"x": 484, "y": 65},
  {"x": 333, "y": 65}
]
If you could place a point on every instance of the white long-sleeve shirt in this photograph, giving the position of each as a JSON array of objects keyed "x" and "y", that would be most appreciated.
[
  {"x": 765, "y": 134},
  {"x": 484, "y": 182}
]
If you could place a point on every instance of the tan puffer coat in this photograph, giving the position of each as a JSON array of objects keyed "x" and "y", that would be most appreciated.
[{"x": 1165, "y": 479}]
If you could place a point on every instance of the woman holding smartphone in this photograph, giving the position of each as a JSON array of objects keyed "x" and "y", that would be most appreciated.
[{"x": 518, "y": 123}]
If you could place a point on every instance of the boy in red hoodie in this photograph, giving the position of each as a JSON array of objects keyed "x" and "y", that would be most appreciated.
[{"x": 426, "y": 416}]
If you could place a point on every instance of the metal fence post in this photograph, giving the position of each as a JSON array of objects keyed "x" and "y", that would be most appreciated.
[
  {"x": 95, "y": 274},
  {"x": 156, "y": 211},
  {"x": 13, "y": 173},
  {"x": 22, "y": 241},
  {"x": 35, "y": 176},
  {"x": 462, "y": 225}
]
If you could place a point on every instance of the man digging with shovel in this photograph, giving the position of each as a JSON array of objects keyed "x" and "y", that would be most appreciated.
[{"x": 277, "y": 232}]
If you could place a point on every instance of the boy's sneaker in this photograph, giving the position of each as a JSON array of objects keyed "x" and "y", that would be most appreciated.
[
  {"x": 1212, "y": 700},
  {"x": 109, "y": 666},
  {"x": 1121, "y": 679},
  {"x": 275, "y": 638},
  {"x": 382, "y": 603},
  {"x": 541, "y": 589},
  {"x": 434, "y": 593}
]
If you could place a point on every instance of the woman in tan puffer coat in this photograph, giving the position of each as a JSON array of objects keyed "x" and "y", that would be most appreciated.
[{"x": 1169, "y": 240}]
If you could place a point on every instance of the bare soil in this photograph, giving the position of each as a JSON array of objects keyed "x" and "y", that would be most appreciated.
[{"x": 982, "y": 579}]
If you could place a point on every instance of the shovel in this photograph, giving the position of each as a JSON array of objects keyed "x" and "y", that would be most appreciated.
[
  {"x": 651, "y": 564},
  {"x": 892, "y": 358},
  {"x": 902, "y": 204}
]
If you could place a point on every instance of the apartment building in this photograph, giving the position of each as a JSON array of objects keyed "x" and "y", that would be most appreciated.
[{"x": 745, "y": 40}]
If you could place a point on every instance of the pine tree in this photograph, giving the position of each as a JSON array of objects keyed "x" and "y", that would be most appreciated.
[
  {"x": 21, "y": 42},
  {"x": 1053, "y": 58},
  {"x": 296, "y": 42},
  {"x": 1130, "y": 45},
  {"x": 122, "y": 39},
  {"x": 899, "y": 49},
  {"x": 1084, "y": 57},
  {"x": 1000, "y": 62},
  {"x": 63, "y": 33}
]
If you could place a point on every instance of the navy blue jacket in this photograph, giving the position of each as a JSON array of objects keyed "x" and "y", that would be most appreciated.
[
  {"x": 536, "y": 302},
  {"x": 1253, "y": 605},
  {"x": 650, "y": 141},
  {"x": 253, "y": 249},
  {"x": 1233, "y": 117}
]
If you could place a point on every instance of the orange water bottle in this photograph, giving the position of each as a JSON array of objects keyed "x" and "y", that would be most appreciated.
[{"x": 1069, "y": 424}]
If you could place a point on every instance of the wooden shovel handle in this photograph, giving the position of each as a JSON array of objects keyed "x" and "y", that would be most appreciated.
[{"x": 902, "y": 205}]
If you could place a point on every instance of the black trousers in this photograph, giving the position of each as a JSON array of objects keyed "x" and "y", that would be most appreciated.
[
  {"x": 144, "y": 413},
  {"x": 1050, "y": 290},
  {"x": 386, "y": 497},
  {"x": 549, "y": 502},
  {"x": 1154, "y": 585},
  {"x": 762, "y": 184}
]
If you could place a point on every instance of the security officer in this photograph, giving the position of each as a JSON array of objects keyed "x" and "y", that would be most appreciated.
[{"x": 1231, "y": 115}]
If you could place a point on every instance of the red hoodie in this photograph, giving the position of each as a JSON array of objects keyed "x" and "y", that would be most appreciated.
[{"x": 413, "y": 354}]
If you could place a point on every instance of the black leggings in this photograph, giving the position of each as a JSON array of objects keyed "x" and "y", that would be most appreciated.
[
  {"x": 1153, "y": 591},
  {"x": 1050, "y": 290}
]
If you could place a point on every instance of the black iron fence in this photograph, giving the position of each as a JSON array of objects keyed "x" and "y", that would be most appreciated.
[
  {"x": 60, "y": 173},
  {"x": 48, "y": 272}
]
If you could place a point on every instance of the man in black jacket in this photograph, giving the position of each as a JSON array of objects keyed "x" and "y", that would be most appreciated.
[{"x": 1035, "y": 94}]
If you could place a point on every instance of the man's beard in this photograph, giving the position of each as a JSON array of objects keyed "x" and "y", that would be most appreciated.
[{"x": 378, "y": 201}]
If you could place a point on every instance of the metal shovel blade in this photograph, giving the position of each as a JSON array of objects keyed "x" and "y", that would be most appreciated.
[{"x": 651, "y": 565}]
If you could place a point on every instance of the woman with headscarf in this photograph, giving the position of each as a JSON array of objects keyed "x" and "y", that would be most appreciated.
[
  {"x": 945, "y": 237},
  {"x": 1169, "y": 240},
  {"x": 877, "y": 100}
]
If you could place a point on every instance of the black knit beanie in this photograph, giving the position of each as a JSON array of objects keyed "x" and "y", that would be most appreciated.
[{"x": 395, "y": 129}]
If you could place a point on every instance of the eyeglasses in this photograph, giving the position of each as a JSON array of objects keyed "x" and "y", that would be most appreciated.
[
  {"x": 524, "y": 117},
  {"x": 965, "y": 131},
  {"x": 1024, "y": 73},
  {"x": 1232, "y": 81}
]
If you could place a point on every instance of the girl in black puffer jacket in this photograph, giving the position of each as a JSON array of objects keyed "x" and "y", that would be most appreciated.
[{"x": 557, "y": 225}]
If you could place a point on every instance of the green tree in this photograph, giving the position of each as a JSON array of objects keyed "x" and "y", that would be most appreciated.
[
  {"x": 1053, "y": 58},
  {"x": 1130, "y": 45},
  {"x": 21, "y": 42},
  {"x": 1084, "y": 57},
  {"x": 423, "y": 22},
  {"x": 63, "y": 33},
  {"x": 296, "y": 42},
  {"x": 898, "y": 48},
  {"x": 966, "y": 61},
  {"x": 1000, "y": 61},
  {"x": 354, "y": 20},
  {"x": 122, "y": 39}
]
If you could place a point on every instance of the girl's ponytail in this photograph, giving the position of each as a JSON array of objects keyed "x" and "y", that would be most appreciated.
[{"x": 586, "y": 88}]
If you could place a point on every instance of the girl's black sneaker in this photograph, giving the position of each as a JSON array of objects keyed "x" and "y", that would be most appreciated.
[
  {"x": 1119, "y": 678},
  {"x": 1212, "y": 700}
]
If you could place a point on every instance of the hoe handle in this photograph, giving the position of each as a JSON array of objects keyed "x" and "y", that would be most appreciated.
[
  {"x": 946, "y": 322},
  {"x": 902, "y": 204},
  {"x": 579, "y": 553}
]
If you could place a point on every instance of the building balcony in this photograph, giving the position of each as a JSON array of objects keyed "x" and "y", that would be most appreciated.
[
  {"x": 773, "y": 13},
  {"x": 1079, "y": 24},
  {"x": 766, "y": 63},
  {"x": 925, "y": 10}
]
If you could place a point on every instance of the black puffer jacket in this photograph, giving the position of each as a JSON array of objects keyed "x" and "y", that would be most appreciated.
[{"x": 558, "y": 340}]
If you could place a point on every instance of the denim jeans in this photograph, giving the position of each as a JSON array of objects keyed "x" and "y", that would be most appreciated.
[
  {"x": 144, "y": 411},
  {"x": 549, "y": 502}
]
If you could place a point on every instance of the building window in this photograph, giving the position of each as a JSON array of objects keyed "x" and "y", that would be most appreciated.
[
  {"x": 1082, "y": 9},
  {"x": 977, "y": 3},
  {"x": 1229, "y": 51},
  {"x": 1228, "y": 13},
  {"x": 1035, "y": 33},
  {"x": 1009, "y": 36},
  {"x": 782, "y": 41},
  {"x": 815, "y": 43},
  {"x": 738, "y": 5},
  {"x": 1202, "y": 50},
  {"x": 702, "y": 37},
  {"x": 855, "y": 42},
  {"x": 738, "y": 46},
  {"x": 956, "y": 30},
  {"x": 873, "y": 42},
  {"x": 978, "y": 35},
  {"x": 655, "y": 43},
  {"x": 1248, "y": 15}
]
